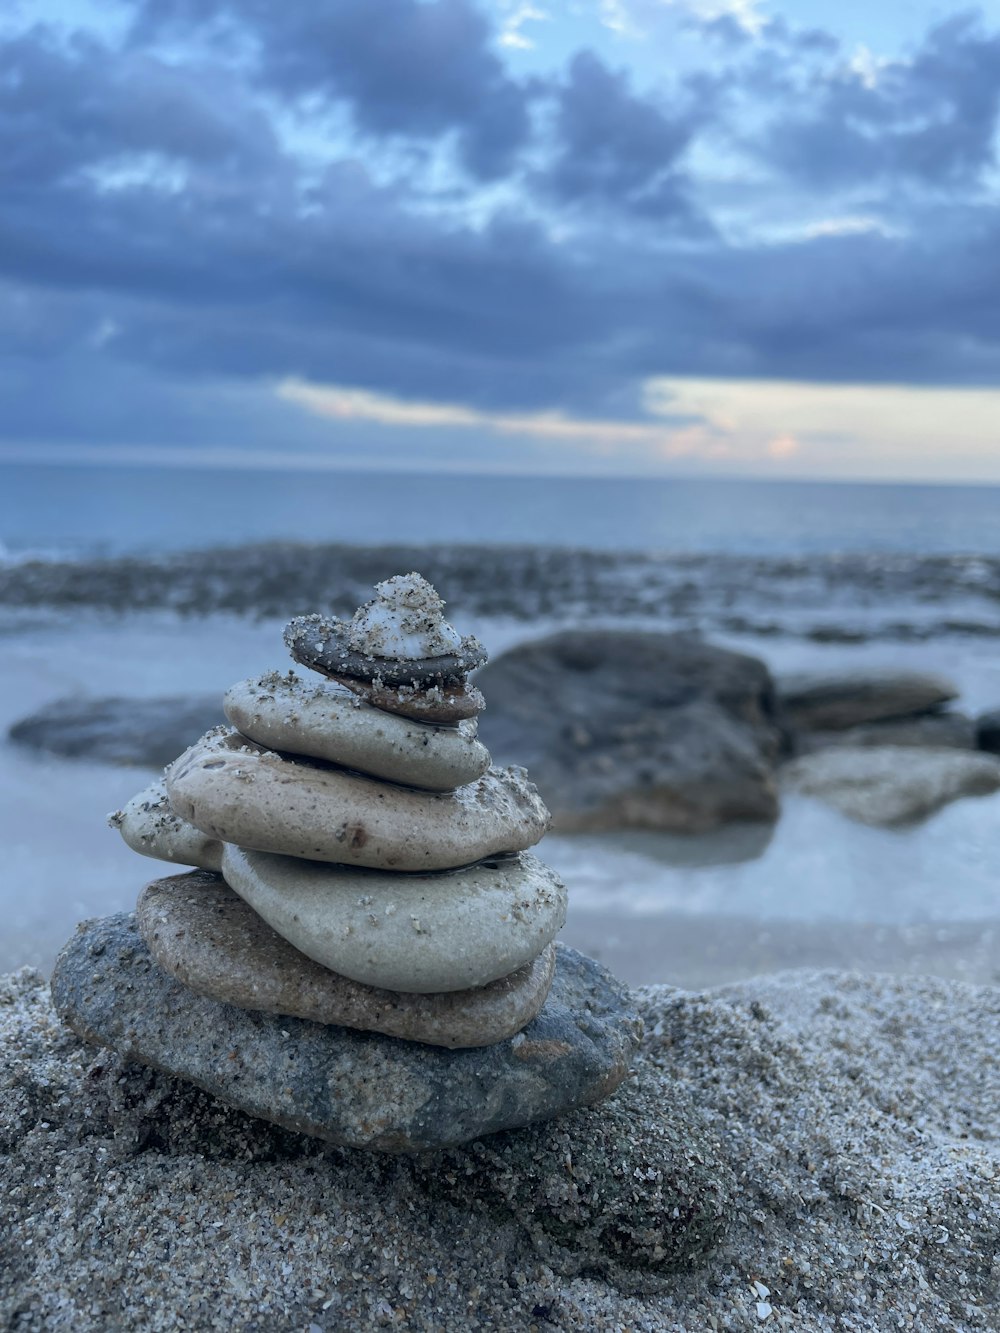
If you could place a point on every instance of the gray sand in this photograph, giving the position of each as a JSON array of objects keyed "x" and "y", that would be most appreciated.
[{"x": 859, "y": 1113}]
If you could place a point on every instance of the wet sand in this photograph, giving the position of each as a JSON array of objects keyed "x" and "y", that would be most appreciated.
[{"x": 692, "y": 952}]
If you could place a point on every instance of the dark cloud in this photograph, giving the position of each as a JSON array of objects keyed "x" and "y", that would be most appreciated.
[
  {"x": 411, "y": 68},
  {"x": 66, "y": 106},
  {"x": 931, "y": 119},
  {"x": 165, "y": 257},
  {"x": 614, "y": 147}
]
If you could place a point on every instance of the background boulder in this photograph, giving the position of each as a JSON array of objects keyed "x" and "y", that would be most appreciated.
[{"x": 636, "y": 730}]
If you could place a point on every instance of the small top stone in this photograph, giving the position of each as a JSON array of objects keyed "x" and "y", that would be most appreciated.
[
  {"x": 404, "y": 620},
  {"x": 398, "y": 638}
]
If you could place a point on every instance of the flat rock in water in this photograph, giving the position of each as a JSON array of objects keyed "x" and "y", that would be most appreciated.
[
  {"x": 814, "y": 702},
  {"x": 237, "y": 791},
  {"x": 953, "y": 731},
  {"x": 150, "y": 827},
  {"x": 325, "y": 720},
  {"x": 422, "y": 933},
  {"x": 140, "y": 733},
  {"x": 988, "y": 731},
  {"x": 356, "y": 1089},
  {"x": 893, "y": 784},
  {"x": 636, "y": 730},
  {"x": 206, "y": 936}
]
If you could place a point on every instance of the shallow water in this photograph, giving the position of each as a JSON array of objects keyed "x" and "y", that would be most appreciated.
[{"x": 62, "y": 863}]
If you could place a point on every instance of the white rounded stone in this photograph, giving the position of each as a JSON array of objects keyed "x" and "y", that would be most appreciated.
[
  {"x": 236, "y": 791},
  {"x": 416, "y": 933},
  {"x": 404, "y": 620},
  {"x": 327, "y": 721},
  {"x": 150, "y": 827}
]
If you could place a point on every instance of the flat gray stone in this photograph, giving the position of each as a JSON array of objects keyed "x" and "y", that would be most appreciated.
[
  {"x": 236, "y": 791},
  {"x": 136, "y": 733},
  {"x": 206, "y": 936},
  {"x": 356, "y": 1089},
  {"x": 150, "y": 827},
  {"x": 817, "y": 702},
  {"x": 322, "y": 643},
  {"x": 892, "y": 785},
  {"x": 325, "y": 720},
  {"x": 953, "y": 731},
  {"x": 422, "y": 933}
]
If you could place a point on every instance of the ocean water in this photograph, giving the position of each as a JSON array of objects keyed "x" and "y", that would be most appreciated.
[
  {"x": 111, "y": 510},
  {"x": 803, "y": 575}
]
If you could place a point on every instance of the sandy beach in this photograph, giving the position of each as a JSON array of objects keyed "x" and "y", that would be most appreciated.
[{"x": 811, "y": 1118}]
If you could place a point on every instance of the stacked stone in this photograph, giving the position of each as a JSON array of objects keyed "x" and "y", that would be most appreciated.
[{"x": 368, "y": 870}]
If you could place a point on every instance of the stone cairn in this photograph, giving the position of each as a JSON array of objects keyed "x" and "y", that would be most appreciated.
[{"x": 366, "y": 950}]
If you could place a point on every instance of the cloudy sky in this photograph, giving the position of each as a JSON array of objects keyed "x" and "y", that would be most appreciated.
[{"x": 725, "y": 237}]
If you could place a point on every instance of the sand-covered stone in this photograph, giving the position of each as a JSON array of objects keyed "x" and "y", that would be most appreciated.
[
  {"x": 327, "y": 721},
  {"x": 356, "y": 1089},
  {"x": 892, "y": 785},
  {"x": 206, "y": 936},
  {"x": 422, "y": 933},
  {"x": 400, "y": 637},
  {"x": 149, "y": 826},
  {"x": 234, "y": 790},
  {"x": 445, "y": 705}
]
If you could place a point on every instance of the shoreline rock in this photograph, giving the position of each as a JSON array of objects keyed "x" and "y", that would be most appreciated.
[
  {"x": 891, "y": 786},
  {"x": 817, "y": 701},
  {"x": 637, "y": 730}
]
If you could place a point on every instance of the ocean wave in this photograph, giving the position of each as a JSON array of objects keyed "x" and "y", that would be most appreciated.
[
  {"x": 827, "y": 598},
  {"x": 10, "y": 559}
]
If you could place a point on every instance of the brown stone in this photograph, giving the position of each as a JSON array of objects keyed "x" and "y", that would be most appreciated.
[
  {"x": 442, "y": 704},
  {"x": 207, "y": 937}
]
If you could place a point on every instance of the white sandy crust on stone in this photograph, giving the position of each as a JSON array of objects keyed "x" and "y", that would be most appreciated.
[
  {"x": 233, "y": 790},
  {"x": 420, "y": 933},
  {"x": 861, "y": 1113},
  {"x": 327, "y": 721},
  {"x": 149, "y": 826},
  {"x": 405, "y": 619}
]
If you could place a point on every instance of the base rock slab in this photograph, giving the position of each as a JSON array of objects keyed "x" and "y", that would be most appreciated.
[{"x": 354, "y": 1089}]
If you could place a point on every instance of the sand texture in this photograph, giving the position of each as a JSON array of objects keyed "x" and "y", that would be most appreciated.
[{"x": 830, "y": 1137}]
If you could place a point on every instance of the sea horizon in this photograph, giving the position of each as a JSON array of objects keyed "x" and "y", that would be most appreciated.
[{"x": 79, "y": 510}]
